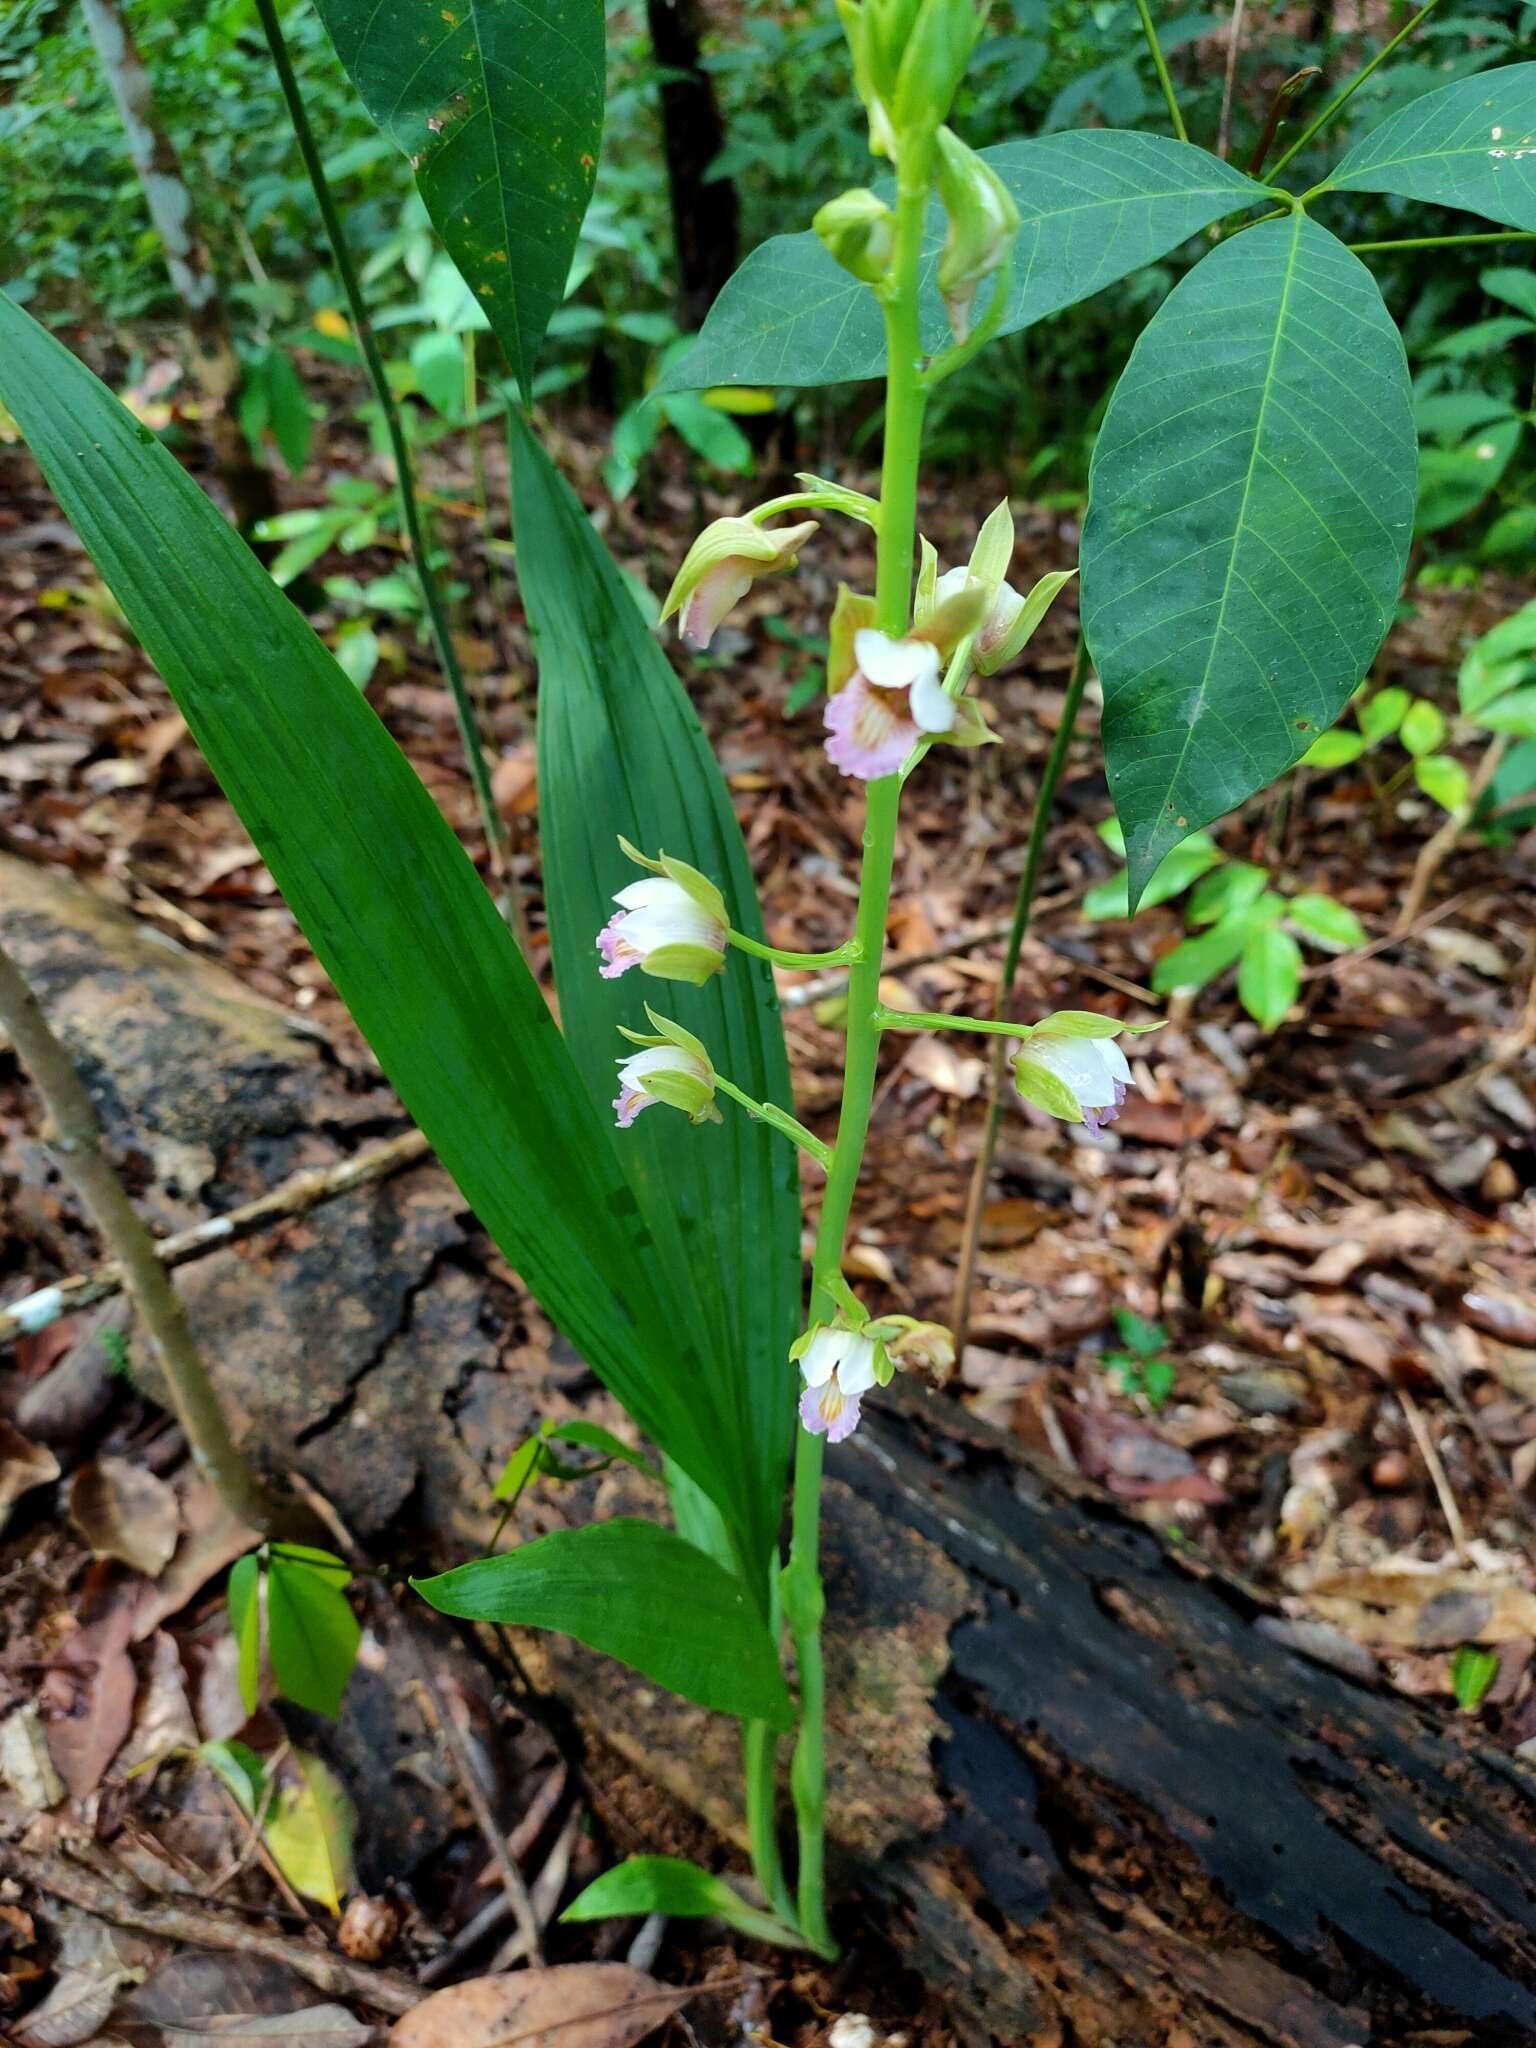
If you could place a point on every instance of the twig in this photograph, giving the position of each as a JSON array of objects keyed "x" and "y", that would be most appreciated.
[
  {"x": 981, "y": 1173},
  {"x": 1436, "y": 1469},
  {"x": 438, "y": 1711},
  {"x": 292, "y": 1197},
  {"x": 548, "y": 1887},
  {"x": 491, "y": 820},
  {"x": 1438, "y": 848},
  {"x": 1160, "y": 66},
  {"x": 1340, "y": 99},
  {"x": 73, "y": 1135},
  {"x": 491, "y": 1915},
  {"x": 125, "y": 1905},
  {"x": 1234, "y": 41}
]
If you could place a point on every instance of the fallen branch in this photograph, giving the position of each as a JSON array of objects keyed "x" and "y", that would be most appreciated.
[
  {"x": 293, "y": 1197},
  {"x": 73, "y": 1136},
  {"x": 126, "y": 1905}
]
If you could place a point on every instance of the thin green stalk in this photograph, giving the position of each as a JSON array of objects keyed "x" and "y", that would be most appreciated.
[
  {"x": 760, "y": 1764},
  {"x": 1341, "y": 98},
  {"x": 937, "y": 1020},
  {"x": 981, "y": 1175},
  {"x": 1160, "y": 65},
  {"x": 482, "y": 493},
  {"x": 839, "y": 957},
  {"x": 410, "y": 511},
  {"x": 779, "y": 1120},
  {"x": 1442, "y": 241},
  {"x": 804, "y": 1600}
]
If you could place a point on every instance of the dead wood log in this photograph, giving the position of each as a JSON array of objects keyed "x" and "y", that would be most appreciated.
[{"x": 1082, "y": 1792}]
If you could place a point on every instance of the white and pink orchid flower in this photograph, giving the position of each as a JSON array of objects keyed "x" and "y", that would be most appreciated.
[
  {"x": 839, "y": 1367},
  {"x": 1070, "y": 1066},
  {"x": 672, "y": 1067},
  {"x": 721, "y": 567},
  {"x": 672, "y": 924},
  {"x": 893, "y": 698}
]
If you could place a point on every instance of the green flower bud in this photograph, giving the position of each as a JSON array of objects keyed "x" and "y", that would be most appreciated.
[
  {"x": 937, "y": 50},
  {"x": 982, "y": 223},
  {"x": 859, "y": 232}
]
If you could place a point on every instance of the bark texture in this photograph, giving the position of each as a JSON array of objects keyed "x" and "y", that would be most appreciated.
[
  {"x": 705, "y": 217},
  {"x": 1078, "y": 1785}
]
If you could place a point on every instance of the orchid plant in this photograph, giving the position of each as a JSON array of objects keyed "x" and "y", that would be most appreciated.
[{"x": 1250, "y": 510}]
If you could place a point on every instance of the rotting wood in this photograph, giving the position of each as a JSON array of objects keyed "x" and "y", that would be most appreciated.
[{"x": 1077, "y": 1787}]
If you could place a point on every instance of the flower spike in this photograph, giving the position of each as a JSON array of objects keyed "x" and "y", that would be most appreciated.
[
  {"x": 673, "y": 927},
  {"x": 721, "y": 567}
]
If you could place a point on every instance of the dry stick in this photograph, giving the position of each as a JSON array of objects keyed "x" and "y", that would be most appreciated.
[
  {"x": 293, "y": 1197},
  {"x": 126, "y": 1905},
  {"x": 1438, "y": 848},
  {"x": 1436, "y": 1469},
  {"x": 73, "y": 1135},
  {"x": 491, "y": 1915},
  {"x": 1234, "y": 41},
  {"x": 438, "y": 1710},
  {"x": 981, "y": 1176},
  {"x": 491, "y": 819}
]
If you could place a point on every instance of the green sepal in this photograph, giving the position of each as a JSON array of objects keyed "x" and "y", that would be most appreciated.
[
  {"x": 970, "y": 728},
  {"x": 1025, "y": 623},
  {"x": 1046, "y": 1090},
  {"x": 851, "y": 614},
  {"x": 1086, "y": 1024},
  {"x": 833, "y": 497},
  {"x": 927, "y": 577},
  {"x": 698, "y": 886}
]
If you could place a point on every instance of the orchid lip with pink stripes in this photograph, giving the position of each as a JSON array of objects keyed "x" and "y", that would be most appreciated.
[
  {"x": 838, "y": 1367},
  {"x": 890, "y": 701}
]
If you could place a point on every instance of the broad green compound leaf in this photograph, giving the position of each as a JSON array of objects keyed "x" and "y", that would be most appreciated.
[
  {"x": 499, "y": 106},
  {"x": 1194, "y": 962},
  {"x": 383, "y": 891},
  {"x": 1423, "y": 727},
  {"x": 637, "y": 1592},
  {"x": 1443, "y": 780},
  {"x": 1470, "y": 144},
  {"x": 1514, "y": 286},
  {"x": 1325, "y": 921},
  {"x": 1177, "y": 870},
  {"x": 681, "y": 1890},
  {"x": 1269, "y": 976},
  {"x": 1094, "y": 205},
  {"x": 1455, "y": 481},
  {"x": 244, "y": 1595},
  {"x": 312, "y": 1633},
  {"x": 1335, "y": 749},
  {"x": 621, "y": 751},
  {"x": 1380, "y": 715},
  {"x": 1250, "y": 506},
  {"x": 1452, "y": 415},
  {"x": 1483, "y": 338},
  {"x": 1514, "y": 712},
  {"x": 1233, "y": 887}
]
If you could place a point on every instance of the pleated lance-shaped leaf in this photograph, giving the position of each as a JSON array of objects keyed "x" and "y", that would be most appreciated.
[
  {"x": 1470, "y": 144},
  {"x": 382, "y": 889},
  {"x": 1250, "y": 506},
  {"x": 1095, "y": 205},
  {"x": 634, "y": 1591},
  {"x": 621, "y": 751},
  {"x": 499, "y": 106}
]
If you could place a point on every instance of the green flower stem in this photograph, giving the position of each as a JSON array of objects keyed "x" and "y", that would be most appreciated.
[
  {"x": 840, "y": 957},
  {"x": 1160, "y": 66},
  {"x": 804, "y": 1600},
  {"x": 491, "y": 819},
  {"x": 779, "y": 1120},
  {"x": 760, "y": 1762},
  {"x": 1339, "y": 99},
  {"x": 935, "y": 1020}
]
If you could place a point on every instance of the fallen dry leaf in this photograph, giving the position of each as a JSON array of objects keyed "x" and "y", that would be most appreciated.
[
  {"x": 952, "y": 1073},
  {"x": 25, "y": 1764},
  {"x": 23, "y": 1465},
  {"x": 77, "y": 2006},
  {"x": 1423, "y": 1608},
  {"x": 569, "y": 2005},
  {"x": 90, "y": 1693},
  {"x": 123, "y": 1511},
  {"x": 211, "y": 1539},
  {"x": 316, "y": 2026}
]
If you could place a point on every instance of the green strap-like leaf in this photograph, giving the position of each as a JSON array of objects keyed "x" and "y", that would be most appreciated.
[
  {"x": 681, "y": 1890},
  {"x": 1470, "y": 144},
  {"x": 499, "y": 106},
  {"x": 637, "y": 1592},
  {"x": 1095, "y": 205},
  {"x": 1250, "y": 506},
  {"x": 383, "y": 891},
  {"x": 621, "y": 751}
]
